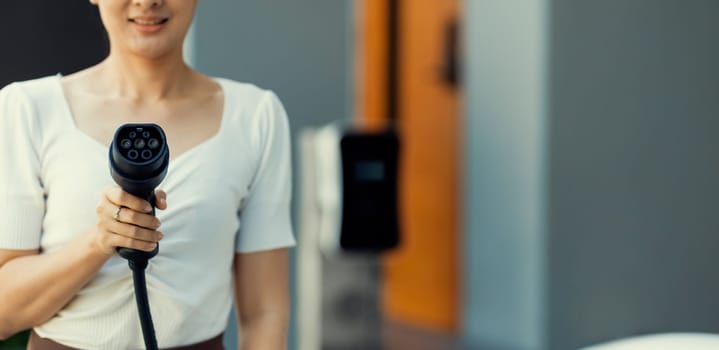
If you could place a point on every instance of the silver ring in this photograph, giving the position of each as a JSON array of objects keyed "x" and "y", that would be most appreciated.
[{"x": 117, "y": 214}]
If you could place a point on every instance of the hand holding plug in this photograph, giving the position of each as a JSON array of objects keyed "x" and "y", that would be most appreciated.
[{"x": 124, "y": 221}]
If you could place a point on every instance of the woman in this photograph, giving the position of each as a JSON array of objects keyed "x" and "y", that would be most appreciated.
[{"x": 224, "y": 220}]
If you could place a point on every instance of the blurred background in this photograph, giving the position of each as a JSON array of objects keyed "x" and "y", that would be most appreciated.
[{"x": 558, "y": 178}]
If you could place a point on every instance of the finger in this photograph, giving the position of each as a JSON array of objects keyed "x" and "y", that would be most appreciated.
[
  {"x": 122, "y": 241},
  {"x": 129, "y": 216},
  {"x": 121, "y": 198},
  {"x": 134, "y": 232},
  {"x": 161, "y": 199}
]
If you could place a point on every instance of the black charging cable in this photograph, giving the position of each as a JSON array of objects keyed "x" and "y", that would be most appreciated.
[
  {"x": 143, "y": 303},
  {"x": 139, "y": 158}
]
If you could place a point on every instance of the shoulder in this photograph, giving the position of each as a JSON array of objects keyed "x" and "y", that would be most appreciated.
[
  {"x": 254, "y": 109},
  {"x": 32, "y": 87},
  {"x": 22, "y": 105},
  {"x": 29, "y": 93},
  {"x": 255, "y": 112},
  {"x": 247, "y": 96}
]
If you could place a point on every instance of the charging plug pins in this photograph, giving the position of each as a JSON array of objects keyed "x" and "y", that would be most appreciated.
[
  {"x": 132, "y": 154},
  {"x": 139, "y": 144},
  {"x": 146, "y": 154},
  {"x": 153, "y": 143}
]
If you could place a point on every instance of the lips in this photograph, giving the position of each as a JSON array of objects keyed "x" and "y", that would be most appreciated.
[{"x": 148, "y": 22}]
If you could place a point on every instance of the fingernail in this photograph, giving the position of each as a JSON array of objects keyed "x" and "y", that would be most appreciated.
[{"x": 148, "y": 208}]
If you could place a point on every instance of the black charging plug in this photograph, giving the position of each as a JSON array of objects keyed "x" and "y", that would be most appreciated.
[{"x": 139, "y": 158}]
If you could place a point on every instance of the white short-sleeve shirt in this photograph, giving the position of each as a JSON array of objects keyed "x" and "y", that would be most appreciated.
[{"x": 228, "y": 194}]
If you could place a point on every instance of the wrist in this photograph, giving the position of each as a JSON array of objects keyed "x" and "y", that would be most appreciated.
[{"x": 94, "y": 249}]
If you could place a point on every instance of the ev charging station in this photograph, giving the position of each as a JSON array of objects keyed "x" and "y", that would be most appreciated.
[{"x": 348, "y": 217}]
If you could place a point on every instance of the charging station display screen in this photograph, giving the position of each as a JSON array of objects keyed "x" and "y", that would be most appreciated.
[
  {"x": 369, "y": 202},
  {"x": 369, "y": 171}
]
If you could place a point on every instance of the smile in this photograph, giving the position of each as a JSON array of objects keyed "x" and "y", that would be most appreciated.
[{"x": 148, "y": 22}]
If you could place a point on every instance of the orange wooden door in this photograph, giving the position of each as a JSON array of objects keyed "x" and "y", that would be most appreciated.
[{"x": 422, "y": 277}]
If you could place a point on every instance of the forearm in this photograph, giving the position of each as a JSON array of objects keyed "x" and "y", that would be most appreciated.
[
  {"x": 36, "y": 287},
  {"x": 267, "y": 331}
]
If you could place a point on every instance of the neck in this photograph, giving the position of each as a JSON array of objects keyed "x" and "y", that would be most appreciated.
[{"x": 144, "y": 79}]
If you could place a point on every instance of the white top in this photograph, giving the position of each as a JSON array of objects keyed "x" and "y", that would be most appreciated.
[
  {"x": 667, "y": 341},
  {"x": 229, "y": 194}
]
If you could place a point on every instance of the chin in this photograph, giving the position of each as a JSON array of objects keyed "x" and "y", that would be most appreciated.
[{"x": 154, "y": 51}]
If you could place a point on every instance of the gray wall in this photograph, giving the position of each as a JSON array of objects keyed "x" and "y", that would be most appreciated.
[
  {"x": 505, "y": 181},
  {"x": 634, "y": 169},
  {"x": 608, "y": 183},
  {"x": 299, "y": 49}
]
